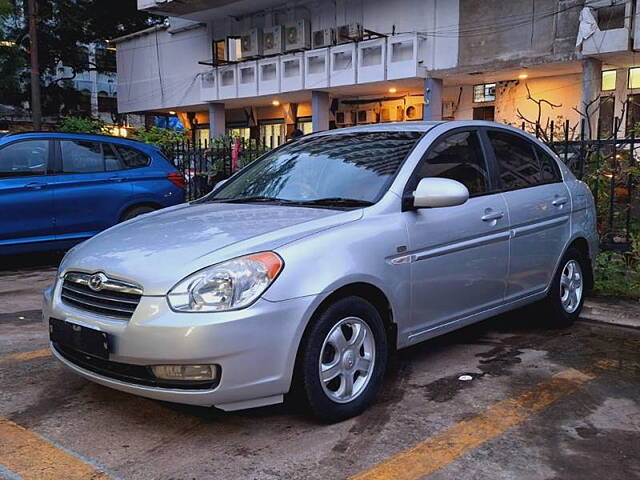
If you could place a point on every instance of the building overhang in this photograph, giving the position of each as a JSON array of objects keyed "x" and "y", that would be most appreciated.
[{"x": 201, "y": 10}]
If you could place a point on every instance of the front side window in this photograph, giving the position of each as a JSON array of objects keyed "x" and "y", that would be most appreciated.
[
  {"x": 343, "y": 169},
  {"x": 458, "y": 157},
  {"x": 517, "y": 161},
  {"x": 80, "y": 156},
  {"x": 23, "y": 159}
]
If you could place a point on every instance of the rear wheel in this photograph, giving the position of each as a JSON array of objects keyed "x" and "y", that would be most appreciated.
[
  {"x": 135, "y": 211},
  {"x": 343, "y": 359},
  {"x": 566, "y": 296}
]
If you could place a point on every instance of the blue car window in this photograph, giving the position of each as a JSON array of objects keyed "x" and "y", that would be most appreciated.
[
  {"x": 111, "y": 161},
  {"x": 81, "y": 156},
  {"x": 132, "y": 158},
  {"x": 24, "y": 158}
]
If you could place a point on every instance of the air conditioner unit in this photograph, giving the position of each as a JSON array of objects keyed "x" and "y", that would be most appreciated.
[
  {"x": 366, "y": 116},
  {"x": 349, "y": 33},
  {"x": 273, "y": 40},
  {"x": 345, "y": 117},
  {"x": 251, "y": 44},
  {"x": 414, "y": 111},
  {"x": 391, "y": 114},
  {"x": 297, "y": 36},
  {"x": 323, "y": 38}
]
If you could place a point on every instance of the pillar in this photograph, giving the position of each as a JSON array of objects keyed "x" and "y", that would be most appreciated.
[
  {"x": 319, "y": 110},
  {"x": 591, "y": 86},
  {"x": 432, "y": 99},
  {"x": 217, "y": 122}
]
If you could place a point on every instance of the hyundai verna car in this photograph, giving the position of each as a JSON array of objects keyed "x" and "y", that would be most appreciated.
[
  {"x": 306, "y": 268},
  {"x": 58, "y": 189}
]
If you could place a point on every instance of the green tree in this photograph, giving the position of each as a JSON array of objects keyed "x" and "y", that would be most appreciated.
[{"x": 65, "y": 28}]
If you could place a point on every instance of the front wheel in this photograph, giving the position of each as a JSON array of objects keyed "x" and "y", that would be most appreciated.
[
  {"x": 343, "y": 359},
  {"x": 566, "y": 295}
]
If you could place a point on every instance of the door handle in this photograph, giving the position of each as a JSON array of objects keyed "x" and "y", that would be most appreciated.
[
  {"x": 492, "y": 216},
  {"x": 559, "y": 201},
  {"x": 35, "y": 185}
]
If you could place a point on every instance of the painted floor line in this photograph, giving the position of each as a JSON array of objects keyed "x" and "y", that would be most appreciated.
[
  {"x": 29, "y": 456},
  {"x": 445, "y": 447},
  {"x": 16, "y": 357}
]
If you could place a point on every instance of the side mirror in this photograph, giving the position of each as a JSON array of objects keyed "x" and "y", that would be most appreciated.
[
  {"x": 220, "y": 183},
  {"x": 439, "y": 192}
]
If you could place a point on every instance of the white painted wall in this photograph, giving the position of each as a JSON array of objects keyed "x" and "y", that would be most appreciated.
[{"x": 160, "y": 70}]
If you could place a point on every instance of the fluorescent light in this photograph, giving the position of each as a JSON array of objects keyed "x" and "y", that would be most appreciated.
[
  {"x": 275, "y": 103},
  {"x": 393, "y": 90},
  {"x": 522, "y": 76}
]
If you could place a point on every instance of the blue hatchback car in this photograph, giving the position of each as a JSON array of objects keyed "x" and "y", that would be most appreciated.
[{"x": 58, "y": 189}]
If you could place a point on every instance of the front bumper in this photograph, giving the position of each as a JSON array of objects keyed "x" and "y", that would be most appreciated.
[{"x": 255, "y": 347}]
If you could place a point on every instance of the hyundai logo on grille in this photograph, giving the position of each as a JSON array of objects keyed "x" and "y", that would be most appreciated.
[{"x": 97, "y": 281}]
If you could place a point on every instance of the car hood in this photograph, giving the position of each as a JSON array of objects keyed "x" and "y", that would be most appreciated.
[{"x": 159, "y": 249}]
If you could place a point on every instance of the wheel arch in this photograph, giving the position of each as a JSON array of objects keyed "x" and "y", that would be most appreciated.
[
  {"x": 582, "y": 245},
  {"x": 142, "y": 203}
]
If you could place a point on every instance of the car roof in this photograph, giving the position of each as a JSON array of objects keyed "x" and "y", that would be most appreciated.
[
  {"x": 77, "y": 136},
  {"x": 417, "y": 126}
]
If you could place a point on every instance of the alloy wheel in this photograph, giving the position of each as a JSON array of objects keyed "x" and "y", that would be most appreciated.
[{"x": 571, "y": 286}]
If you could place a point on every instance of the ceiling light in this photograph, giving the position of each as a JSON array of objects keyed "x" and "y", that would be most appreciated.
[
  {"x": 275, "y": 103},
  {"x": 393, "y": 90},
  {"x": 172, "y": 112},
  {"x": 522, "y": 76}
]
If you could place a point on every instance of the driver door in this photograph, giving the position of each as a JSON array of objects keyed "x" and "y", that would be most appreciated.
[{"x": 460, "y": 255}]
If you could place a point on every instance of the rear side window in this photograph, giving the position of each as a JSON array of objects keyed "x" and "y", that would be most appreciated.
[
  {"x": 518, "y": 163},
  {"x": 22, "y": 159},
  {"x": 550, "y": 173},
  {"x": 80, "y": 156},
  {"x": 132, "y": 158},
  {"x": 458, "y": 157}
]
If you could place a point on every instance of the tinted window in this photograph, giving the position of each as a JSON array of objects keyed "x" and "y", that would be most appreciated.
[
  {"x": 111, "y": 160},
  {"x": 80, "y": 156},
  {"x": 24, "y": 158},
  {"x": 549, "y": 168},
  {"x": 356, "y": 166},
  {"x": 517, "y": 161},
  {"x": 132, "y": 158},
  {"x": 458, "y": 157}
]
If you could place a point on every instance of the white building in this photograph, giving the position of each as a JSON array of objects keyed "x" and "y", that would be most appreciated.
[{"x": 262, "y": 68}]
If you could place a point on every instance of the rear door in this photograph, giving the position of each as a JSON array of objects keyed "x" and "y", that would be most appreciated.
[
  {"x": 539, "y": 208},
  {"x": 460, "y": 254},
  {"x": 91, "y": 190},
  {"x": 26, "y": 196}
]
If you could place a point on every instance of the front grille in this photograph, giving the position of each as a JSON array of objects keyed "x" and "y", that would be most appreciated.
[
  {"x": 111, "y": 297},
  {"x": 127, "y": 372}
]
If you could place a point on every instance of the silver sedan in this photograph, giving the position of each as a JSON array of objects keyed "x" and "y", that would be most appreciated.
[{"x": 302, "y": 271}]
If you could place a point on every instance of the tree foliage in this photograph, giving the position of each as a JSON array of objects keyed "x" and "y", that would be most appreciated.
[
  {"x": 65, "y": 28},
  {"x": 72, "y": 124}
]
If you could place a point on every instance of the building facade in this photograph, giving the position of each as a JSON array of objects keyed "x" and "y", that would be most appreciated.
[{"x": 264, "y": 68}]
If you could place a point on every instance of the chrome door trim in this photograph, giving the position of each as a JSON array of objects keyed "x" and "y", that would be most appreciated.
[
  {"x": 522, "y": 230},
  {"x": 440, "y": 250}
]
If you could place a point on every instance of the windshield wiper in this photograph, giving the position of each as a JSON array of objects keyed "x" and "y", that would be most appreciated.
[
  {"x": 256, "y": 199},
  {"x": 336, "y": 201}
]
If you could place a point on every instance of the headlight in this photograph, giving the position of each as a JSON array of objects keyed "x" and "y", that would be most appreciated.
[{"x": 228, "y": 285}]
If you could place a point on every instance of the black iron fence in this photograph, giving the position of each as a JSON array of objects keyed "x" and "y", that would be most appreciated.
[
  {"x": 608, "y": 163},
  {"x": 203, "y": 164}
]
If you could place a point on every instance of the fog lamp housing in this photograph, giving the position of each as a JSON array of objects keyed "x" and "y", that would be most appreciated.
[{"x": 186, "y": 372}]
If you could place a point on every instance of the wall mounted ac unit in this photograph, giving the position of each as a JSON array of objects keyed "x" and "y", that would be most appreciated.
[
  {"x": 345, "y": 117},
  {"x": 366, "y": 116},
  {"x": 391, "y": 114},
  {"x": 414, "y": 112},
  {"x": 297, "y": 36},
  {"x": 251, "y": 44},
  {"x": 349, "y": 33},
  {"x": 323, "y": 38},
  {"x": 273, "y": 40}
]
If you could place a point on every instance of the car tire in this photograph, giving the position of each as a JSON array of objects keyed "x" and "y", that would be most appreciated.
[
  {"x": 347, "y": 339},
  {"x": 135, "y": 211},
  {"x": 566, "y": 295}
]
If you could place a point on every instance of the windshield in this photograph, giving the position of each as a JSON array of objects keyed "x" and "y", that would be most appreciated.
[{"x": 351, "y": 169}]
